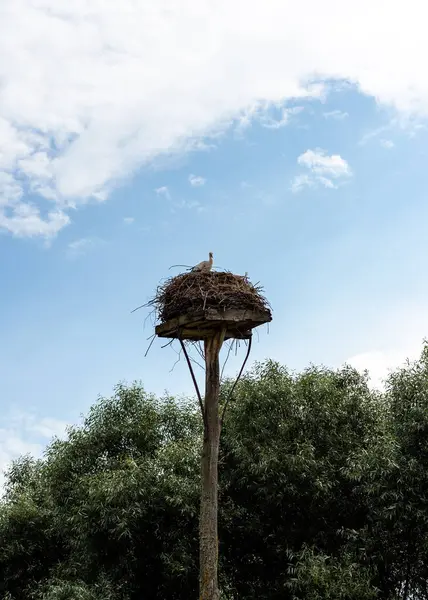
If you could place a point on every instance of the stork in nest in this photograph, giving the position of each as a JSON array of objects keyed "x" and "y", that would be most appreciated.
[{"x": 206, "y": 265}]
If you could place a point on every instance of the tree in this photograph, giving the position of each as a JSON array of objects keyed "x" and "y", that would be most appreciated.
[
  {"x": 116, "y": 504},
  {"x": 315, "y": 576},
  {"x": 299, "y": 453},
  {"x": 402, "y": 536},
  {"x": 323, "y": 490}
]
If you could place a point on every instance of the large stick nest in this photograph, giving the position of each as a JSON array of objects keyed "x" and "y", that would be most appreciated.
[{"x": 197, "y": 291}]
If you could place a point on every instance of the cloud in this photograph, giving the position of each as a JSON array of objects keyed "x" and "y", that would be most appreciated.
[
  {"x": 270, "y": 122},
  {"x": 196, "y": 181},
  {"x": 300, "y": 182},
  {"x": 25, "y": 433},
  {"x": 336, "y": 114},
  {"x": 321, "y": 163},
  {"x": 323, "y": 170},
  {"x": 378, "y": 364},
  {"x": 24, "y": 219},
  {"x": 163, "y": 191},
  {"x": 387, "y": 347},
  {"x": 49, "y": 428},
  {"x": 12, "y": 446},
  {"x": 90, "y": 93},
  {"x": 187, "y": 205},
  {"x": 388, "y": 144},
  {"x": 128, "y": 220},
  {"x": 272, "y": 115},
  {"x": 408, "y": 124},
  {"x": 80, "y": 247},
  {"x": 370, "y": 135}
]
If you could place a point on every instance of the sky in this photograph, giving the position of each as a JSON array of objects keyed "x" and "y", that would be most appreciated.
[{"x": 290, "y": 139}]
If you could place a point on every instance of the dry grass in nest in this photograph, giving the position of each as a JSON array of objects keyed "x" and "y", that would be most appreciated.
[{"x": 197, "y": 291}]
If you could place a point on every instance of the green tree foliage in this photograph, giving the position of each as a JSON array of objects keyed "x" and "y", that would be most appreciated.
[
  {"x": 323, "y": 495},
  {"x": 115, "y": 507},
  {"x": 403, "y": 535},
  {"x": 318, "y": 577},
  {"x": 302, "y": 451}
]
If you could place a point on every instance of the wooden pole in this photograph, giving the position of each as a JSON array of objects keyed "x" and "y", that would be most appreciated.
[{"x": 208, "y": 528}]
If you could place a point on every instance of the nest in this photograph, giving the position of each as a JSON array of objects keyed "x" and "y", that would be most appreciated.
[{"x": 196, "y": 291}]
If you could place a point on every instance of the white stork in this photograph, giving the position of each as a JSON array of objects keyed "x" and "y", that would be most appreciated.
[{"x": 206, "y": 265}]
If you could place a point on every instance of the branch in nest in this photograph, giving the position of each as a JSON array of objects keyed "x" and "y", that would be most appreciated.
[
  {"x": 236, "y": 381},
  {"x": 195, "y": 383},
  {"x": 185, "y": 266},
  {"x": 150, "y": 345},
  {"x": 227, "y": 358},
  {"x": 176, "y": 362},
  {"x": 198, "y": 291}
]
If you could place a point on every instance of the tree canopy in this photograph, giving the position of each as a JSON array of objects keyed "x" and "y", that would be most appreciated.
[{"x": 323, "y": 494}]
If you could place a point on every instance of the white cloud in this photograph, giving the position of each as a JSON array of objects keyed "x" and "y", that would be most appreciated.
[
  {"x": 91, "y": 91},
  {"x": 22, "y": 218},
  {"x": 48, "y": 427},
  {"x": 12, "y": 446},
  {"x": 336, "y": 114},
  {"x": 409, "y": 124},
  {"x": 128, "y": 220},
  {"x": 26, "y": 221},
  {"x": 389, "y": 347},
  {"x": 378, "y": 364},
  {"x": 196, "y": 181},
  {"x": 163, "y": 191},
  {"x": 10, "y": 190},
  {"x": 324, "y": 169},
  {"x": 286, "y": 114},
  {"x": 187, "y": 205},
  {"x": 272, "y": 115},
  {"x": 81, "y": 246},
  {"x": 388, "y": 144},
  {"x": 25, "y": 433},
  {"x": 300, "y": 182},
  {"x": 321, "y": 163}
]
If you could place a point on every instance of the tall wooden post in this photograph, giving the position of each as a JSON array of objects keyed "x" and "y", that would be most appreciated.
[
  {"x": 213, "y": 326},
  {"x": 208, "y": 528}
]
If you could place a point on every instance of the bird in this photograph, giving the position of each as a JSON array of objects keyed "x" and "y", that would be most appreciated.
[{"x": 206, "y": 265}]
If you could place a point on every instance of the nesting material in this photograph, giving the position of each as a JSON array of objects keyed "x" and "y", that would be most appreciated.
[
  {"x": 192, "y": 304},
  {"x": 197, "y": 291}
]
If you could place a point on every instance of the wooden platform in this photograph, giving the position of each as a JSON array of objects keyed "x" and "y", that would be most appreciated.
[{"x": 201, "y": 325}]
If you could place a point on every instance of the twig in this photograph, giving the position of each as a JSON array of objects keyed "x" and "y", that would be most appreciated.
[
  {"x": 227, "y": 358},
  {"x": 195, "y": 383},
  {"x": 149, "y": 315},
  {"x": 236, "y": 381},
  {"x": 150, "y": 345},
  {"x": 176, "y": 362},
  {"x": 205, "y": 300},
  {"x": 186, "y": 266},
  {"x": 199, "y": 351},
  {"x": 197, "y": 363},
  {"x": 138, "y": 308},
  {"x": 168, "y": 343}
]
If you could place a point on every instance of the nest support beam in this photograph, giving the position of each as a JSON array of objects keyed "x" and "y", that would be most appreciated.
[
  {"x": 208, "y": 528},
  {"x": 213, "y": 327},
  {"x": 237, "y": 324}
]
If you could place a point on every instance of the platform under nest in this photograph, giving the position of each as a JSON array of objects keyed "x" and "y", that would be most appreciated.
[{"x": 192, "y": 304}]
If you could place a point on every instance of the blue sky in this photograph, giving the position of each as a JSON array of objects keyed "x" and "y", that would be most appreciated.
[{"x": 320, "y": 194}]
